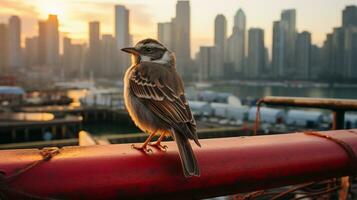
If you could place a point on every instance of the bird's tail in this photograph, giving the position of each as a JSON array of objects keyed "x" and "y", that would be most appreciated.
[{"x": 188, "y": 159}]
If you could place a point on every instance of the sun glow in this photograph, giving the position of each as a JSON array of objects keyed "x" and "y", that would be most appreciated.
[{"x": 51, "y": 7}]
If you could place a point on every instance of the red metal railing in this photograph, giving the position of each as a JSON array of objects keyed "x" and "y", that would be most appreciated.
[{"x": 228, "y": 166}]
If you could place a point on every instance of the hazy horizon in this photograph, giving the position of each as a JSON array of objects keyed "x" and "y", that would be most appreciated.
[{"x": 318, "y": 17}]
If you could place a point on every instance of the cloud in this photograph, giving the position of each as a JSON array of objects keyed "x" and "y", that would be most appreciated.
[{"x": 17, "y": 7}]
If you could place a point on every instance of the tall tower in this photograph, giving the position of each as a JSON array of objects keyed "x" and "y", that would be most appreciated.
[
  {"x": 109, "y": 57},
  {"x": 31, "y": 52},
  {"x": 164, "y": 34},
  {"x": 52, "y": 41},
  {"x": 289, "y": 18},
  {"x": 94, "y": 56},
  {"x": 220, "y": 39},
  {"x": 15, "y": 59},
  {"x": 4, "y": 48},
  {"x": 256, "y": 53},
  {"x": 122, "y": 35},
  {"x": 42, "y": 42},
  {"x": 220, "y": 33},
  {"x": 183, "y": 38},
  {"x": 278, "y": 49},
  {"x": 206, "y": 64},
  {"x": 349, "y": 16},
  {"x": 303, "y": 55},
  {"x": 236, "y": 43}
]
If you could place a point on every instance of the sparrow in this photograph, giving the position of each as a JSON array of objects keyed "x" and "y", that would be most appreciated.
[{"x": 155, "y": 99}]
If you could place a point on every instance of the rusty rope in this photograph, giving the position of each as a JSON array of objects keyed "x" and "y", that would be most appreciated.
[{"x": 47, "y": 154}]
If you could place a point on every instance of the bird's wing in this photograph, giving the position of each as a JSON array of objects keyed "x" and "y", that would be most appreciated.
[{"x": 161, "y": 90}]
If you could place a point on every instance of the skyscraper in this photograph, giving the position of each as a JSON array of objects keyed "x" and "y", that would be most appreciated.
[
  {"x": 67, "y": 57},
  {"x": 4, "y": 48},
  {"x": 349, "y": 16},
  {"x": 303, "y": 55},
  {"x": 220, "y": 33},
  {"x": 206, "y": 63},
  {"x": 52, "y": 41},
  {"x": 220, "y": 39},
  {"x": 256, "y": 53},
  {"x": 338, "y": 46},
  {"x": 350, "y": 53},
  {"x": 327, "y": 57},
  {"x": 289, "y": 18},
  {"x": 236, "y": 43},
  {"x": 183, "y": 38},
  {"x": 278, "y": 48},
  {"x": 15, "y": 59},
  {"x": 94, "y": 53},
  {"x": 31, "y": 52},
  {"x": 42, "y": 42},
  {"x": 164, "y": 34},
  {"x": 122, "y": 36},
  {"x": 109, "y": 57},
  {"x": 316, "y": 65}
]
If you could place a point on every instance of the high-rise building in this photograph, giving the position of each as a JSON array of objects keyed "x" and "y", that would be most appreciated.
[
  {"x": 303, "y": 55},
  {"x": 220, "y": 33},
  {"x": 220, "y": 39},
  {"x": 183, "y": 38},
  {"x": 236, "y": 43},
  {"x": 256, "y": 53},
  {"x": 289, "y": 18},
  {"x": 173, "y": 35},
  {"x": 164, "y": 34},
  {"x": 267, "y": 67},
  {"x": 316, "y": 66},
  {"x": 338, "y": 46},
  {"x": 78, "y": 55},
  {"x": 67, "y": 57},
  {"x": 52, "y": 41},
  {"x": 349, "y": 16},
  {"x": 31, "y": 52},
  {"x": 72, "y": 59},
  {"x": 278, "y": 50},
  {"x": 327, "y": 57},
  {"x": 205, "y": 61},
  {"x": 42, "y": 42},
  {"x": 94, "y": 52},
  {"x": 15, "y": 59},
  {"x": 109, "y": 57},
  {"x": 4, "y": 48},
  {"x": 122, "y": 36},
  {"x": 350, "y": 53}
]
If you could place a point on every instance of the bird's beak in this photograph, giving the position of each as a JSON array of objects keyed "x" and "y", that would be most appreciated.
[{"x": 130, "y": 50}]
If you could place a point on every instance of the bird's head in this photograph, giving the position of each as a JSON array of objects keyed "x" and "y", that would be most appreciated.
[{"x": 150, "y": 50}]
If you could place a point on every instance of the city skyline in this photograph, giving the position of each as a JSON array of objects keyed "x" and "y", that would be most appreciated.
[
  {"x": 145, "y": 16},
  {"x": 240, "y": 53}
]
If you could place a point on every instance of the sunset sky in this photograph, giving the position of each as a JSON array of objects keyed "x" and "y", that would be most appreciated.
[{"x": 316, "y": 16}]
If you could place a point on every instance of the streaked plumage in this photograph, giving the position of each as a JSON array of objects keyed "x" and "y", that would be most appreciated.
[{"x": 155, "y": 99}]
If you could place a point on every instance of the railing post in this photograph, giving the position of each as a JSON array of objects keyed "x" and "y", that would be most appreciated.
[{"x": 338, "y": 121}]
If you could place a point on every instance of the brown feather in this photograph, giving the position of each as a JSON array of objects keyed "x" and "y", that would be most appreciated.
[{"x": 161, "y": 89}]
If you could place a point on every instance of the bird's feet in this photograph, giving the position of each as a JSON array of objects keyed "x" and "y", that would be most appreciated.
[
  {"x": 142, "y": 148},
  {"x": 159, "y": 146}
]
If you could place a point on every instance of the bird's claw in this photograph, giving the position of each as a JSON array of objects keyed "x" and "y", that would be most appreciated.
[
  {"x": 159, "y": 146},
  {"x": 142, "y": 148}
]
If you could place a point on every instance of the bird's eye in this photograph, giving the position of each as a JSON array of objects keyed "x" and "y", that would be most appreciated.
[{"x": 148, "y": 49}]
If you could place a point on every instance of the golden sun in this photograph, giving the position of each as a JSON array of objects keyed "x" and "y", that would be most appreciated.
[{"x": 46, "y": 7}]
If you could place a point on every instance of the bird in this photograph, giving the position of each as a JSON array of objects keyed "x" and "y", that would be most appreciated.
[{"x": 155, "y": 98}]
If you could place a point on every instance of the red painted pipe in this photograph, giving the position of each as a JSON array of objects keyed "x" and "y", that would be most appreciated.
[{"x": 228, "y": 166}]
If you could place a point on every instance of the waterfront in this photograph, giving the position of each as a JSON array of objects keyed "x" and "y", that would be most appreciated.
[{"x": 258, "y": 91}]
